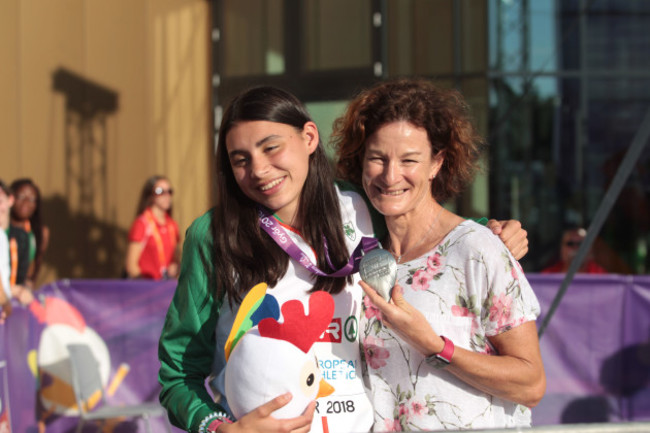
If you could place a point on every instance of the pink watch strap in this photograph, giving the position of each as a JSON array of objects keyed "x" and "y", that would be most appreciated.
[
  {"x": 443, "y": 358},
  {"x": 447, "y": 351}
]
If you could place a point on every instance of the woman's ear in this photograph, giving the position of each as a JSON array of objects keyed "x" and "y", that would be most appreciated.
[
  {"x": 437, "y": 164},
  {"x": 310, "y": 135}
]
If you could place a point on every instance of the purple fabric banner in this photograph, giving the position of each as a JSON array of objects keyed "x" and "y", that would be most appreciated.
[
  {"x": 119, "y": 320},
  {"x": 596, "y": 350}
]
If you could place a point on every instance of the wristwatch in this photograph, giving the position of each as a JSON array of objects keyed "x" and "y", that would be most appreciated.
[{"x": 443, "y": 358}]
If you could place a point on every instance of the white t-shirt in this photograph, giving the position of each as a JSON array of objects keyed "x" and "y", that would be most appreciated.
[
  {"x": 348, "y": 409},
  {"x": 5, "y": 266},
  {"x": 469, "y": 287}
]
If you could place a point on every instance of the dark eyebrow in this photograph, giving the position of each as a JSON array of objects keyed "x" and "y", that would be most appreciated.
[
  {"x": 258, "y": 144},
  {"x": 267, "y": 138},
  {"x": 413, "y": 153},
  {"x": 405, "y": 155}
]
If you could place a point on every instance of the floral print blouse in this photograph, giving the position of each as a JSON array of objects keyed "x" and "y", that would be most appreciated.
[{"x": 469, "y": 288}]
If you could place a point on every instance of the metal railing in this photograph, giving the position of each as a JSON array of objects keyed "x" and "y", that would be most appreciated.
[{"x": 627, "y": 427}]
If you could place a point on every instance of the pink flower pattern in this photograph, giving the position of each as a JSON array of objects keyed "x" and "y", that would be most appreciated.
[
  {"x": 435, "y": 264},
  {"x": 403, "y": 412},
  {"x": 418, "y": 407},
  {"x": 500, "y": 309},
  {"x": 459, "y": 311},
  {"x": 513, "y": 272},
  {"x": 392, "y": 425},
  {"x": 421, "y": 280},
  {"x": 376, "y": 355},
  {"x": 370, "y": 309}
]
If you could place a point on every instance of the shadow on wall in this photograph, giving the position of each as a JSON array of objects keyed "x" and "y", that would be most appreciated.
[
  {"x": 586, "y": 410},
  {"x": 88, "y": 105},
  {"x": 626, "y": 375},
  {"x": 80, "y": 245}
]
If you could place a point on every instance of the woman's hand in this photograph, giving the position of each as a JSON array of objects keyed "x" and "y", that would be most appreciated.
[
  {"x": 172, "y": 270},
  {"x": 405, "y": 320},
  {"x": 260, "y": 419},
  {"x": 5, "y": 311},
  {"x": 512, "y": 234}
]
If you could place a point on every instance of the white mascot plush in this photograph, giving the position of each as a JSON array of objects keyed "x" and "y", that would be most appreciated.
[{"x": 273, "y": 358}]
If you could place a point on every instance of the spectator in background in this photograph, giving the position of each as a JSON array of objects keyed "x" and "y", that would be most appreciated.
[
  {"x": 153, "y": 239},
  {"x": 26, "y": 216},
  {"x": 6, "y": 201},
  {"x": 571, "y": 240}
]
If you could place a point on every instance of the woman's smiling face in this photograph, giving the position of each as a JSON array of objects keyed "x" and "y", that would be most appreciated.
[
  {"x": 398, "y": 168},
  {"x": 25, "y": 202},
  {"x": 270, "y": 162}
]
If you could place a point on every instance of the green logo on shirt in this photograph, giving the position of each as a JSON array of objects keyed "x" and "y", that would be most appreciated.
[
  {"x": 351, "y": 328},
  {"x": 348, "y": 228}
]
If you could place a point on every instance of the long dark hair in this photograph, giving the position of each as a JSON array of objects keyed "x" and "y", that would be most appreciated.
[
  {"x": 146, "y": 195},
  {"x": 244, "y": 254},
  {"x": 35, "y": 220}
]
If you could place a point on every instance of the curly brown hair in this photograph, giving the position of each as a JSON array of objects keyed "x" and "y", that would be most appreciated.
[{"x": 442, "y": 112}]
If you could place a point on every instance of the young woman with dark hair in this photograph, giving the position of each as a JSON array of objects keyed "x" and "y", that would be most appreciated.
[{"x": 26, "y": 217}]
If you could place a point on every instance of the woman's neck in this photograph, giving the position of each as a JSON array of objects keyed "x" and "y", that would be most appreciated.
[
  {"x": 19, "y": 223},
  {"x": 290, "y": 220},
  {"x": 413, "y": 234},
  {"x": 407, "y": 229},
  {"x": 159, "y": 214}
]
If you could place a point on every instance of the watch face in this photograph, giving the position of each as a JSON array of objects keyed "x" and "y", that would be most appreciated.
[{"x": 436, "y": 361}]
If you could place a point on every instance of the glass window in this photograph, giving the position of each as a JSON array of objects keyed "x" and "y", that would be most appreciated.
[
  {"x": 324, "y": 113},
  {"x": 254, "y": 37},
  {"x": 337, "y": 34},
  {"x": 522, "y": 35},
  {"x": 430, "y": 23},
  {"x": 523, "y": 169}
]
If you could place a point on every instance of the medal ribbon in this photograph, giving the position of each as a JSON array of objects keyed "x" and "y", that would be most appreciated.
[
  {"x": 13, "y": 248},
  {"x": 270, "y": 225}
]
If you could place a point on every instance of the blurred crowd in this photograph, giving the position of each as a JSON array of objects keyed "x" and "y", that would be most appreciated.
[{"x": 152, "y": 251}]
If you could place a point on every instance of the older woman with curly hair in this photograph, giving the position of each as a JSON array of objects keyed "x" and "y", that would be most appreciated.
[{"x": 456, "y": 345}]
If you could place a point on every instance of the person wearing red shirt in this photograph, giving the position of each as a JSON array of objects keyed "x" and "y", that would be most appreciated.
[
  {"x": 153, "y": 238},
  {"x": 571, "y": 240}
]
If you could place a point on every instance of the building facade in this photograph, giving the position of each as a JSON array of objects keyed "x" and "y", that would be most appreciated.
[{"x": 559, "y": 88}]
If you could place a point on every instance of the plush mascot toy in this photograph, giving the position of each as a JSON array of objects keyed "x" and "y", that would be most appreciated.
[{"x": 267, "y": 358}]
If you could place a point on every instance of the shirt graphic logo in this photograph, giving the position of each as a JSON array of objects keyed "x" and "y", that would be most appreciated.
[
  {"x": 333, "y": 332},
  {"x": 351, "y": 328},
  {"x": 348, "y": 228}
]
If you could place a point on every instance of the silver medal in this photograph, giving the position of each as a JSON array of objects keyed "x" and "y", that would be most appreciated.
[{"x": 378, "y": 269}]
